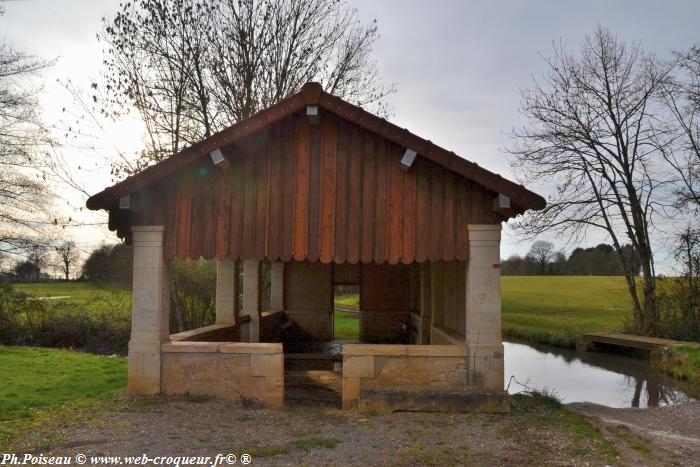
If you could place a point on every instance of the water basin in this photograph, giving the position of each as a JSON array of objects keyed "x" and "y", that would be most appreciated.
[{"x": 602, "y": 378}]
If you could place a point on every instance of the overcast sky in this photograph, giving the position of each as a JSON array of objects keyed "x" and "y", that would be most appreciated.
[{"x": 458, "y": 65}]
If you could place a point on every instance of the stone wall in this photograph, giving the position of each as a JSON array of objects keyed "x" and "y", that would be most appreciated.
[
  {"x": 370, "y": 366},
  {"x": 253, "y": 372}
]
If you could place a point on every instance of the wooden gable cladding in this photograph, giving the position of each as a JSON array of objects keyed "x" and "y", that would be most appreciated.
[{"x": 331, "y": 192}]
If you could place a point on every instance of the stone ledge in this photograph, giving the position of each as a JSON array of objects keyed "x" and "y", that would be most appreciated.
[
  {"x": 436, "y": 351},
  {"x": 357, "y": 350},
  {"x": 416, "y": 400},
  {"x": 358, "y": 366},
  {"x": 195, "y": 332},
  {"x": 250, "y": 347},
  {"x": 193, "y": 347},
  {"x": 374, "y": 349}
]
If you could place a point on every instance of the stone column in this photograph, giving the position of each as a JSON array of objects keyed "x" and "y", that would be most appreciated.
[
  {"x": 277, "y": 286},
  {"x": 226, "y": 291},
  {"x": 251, "y": 296},
  {"x": 150, "y": 310},
  {"x": 483, "y": 306}
]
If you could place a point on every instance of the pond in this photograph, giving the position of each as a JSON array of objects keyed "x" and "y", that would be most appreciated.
[{"x": 603, "y": 378}]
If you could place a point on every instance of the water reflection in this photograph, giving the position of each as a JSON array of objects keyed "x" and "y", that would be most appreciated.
[{"x": 601, "y": 378}]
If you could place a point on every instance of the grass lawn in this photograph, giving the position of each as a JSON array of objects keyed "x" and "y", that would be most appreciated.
[
  {"x": 555, "y": 310},
  {"x": 560, "y": 309},
  {"x": 351, "y": 300},
  {"x": 37, "y": 381},
  {"x": 112, "y": 302},
  {"x": 78, "y": 292},
  {"x": 346, "y": 326},
  {"x": 683, "y": 362},
  {"x": 59, "y": 289}
]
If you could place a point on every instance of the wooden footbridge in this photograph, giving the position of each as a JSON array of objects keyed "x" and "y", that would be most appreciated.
[{"x": 629, "y": 341}]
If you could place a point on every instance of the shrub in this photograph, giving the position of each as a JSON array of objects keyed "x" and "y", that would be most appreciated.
[
  {"x": 25, "y": 320},
  {"x": 679, "y": 310},
  {"x": 195, "y": 298}
]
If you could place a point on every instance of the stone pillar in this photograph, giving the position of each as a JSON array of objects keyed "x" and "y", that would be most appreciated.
[
  {"x": 226, "y": 291},
  {"x": 150, "y": 310},
  {"x": 483, "y": 306},
  {"x": 251, "y": 297},
  {"x": 277, "y": 286}
]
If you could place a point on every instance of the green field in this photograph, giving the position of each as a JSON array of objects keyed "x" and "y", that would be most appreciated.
[
  {"x": 348, "y": 300},
  {"x": 552, "y": 309},
  {"x": 560, "y": 309},
  {"x": 78, "y": 293},
  {"x": 38, "y": 381},
  {"x": 346, "y": 326}
]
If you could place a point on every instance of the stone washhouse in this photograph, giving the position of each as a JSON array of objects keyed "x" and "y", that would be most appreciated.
[{"x": 319, "y": 193}]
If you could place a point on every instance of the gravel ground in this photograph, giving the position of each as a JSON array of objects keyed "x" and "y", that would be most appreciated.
[
  {"x": 534, "y": 433},
  {"x": 672, "y": 433}
]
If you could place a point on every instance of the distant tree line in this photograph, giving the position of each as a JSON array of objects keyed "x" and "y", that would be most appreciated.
[
  {"x": 111, "y": 264},
  {"x": 35, "y": 259},
  {"x": 543, "y": 259}
]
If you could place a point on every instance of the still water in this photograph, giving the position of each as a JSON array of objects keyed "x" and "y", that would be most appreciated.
[{"x": 603, "y": 378}]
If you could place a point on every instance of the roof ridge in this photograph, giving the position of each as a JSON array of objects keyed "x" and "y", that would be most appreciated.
[{"x": 312, "y": 94}]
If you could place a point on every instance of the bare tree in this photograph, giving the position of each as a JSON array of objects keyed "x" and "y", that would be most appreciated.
[
  {"x": 681, "y": 94},
  {"x": 593, "y": 135},
  {"x": 543, "y": 253},
  {"x": 38, "y": 255},
  {"x": 67, "y": 256},
  {"x": 193, "y": 67},
  {"x": 23, "y": 188}
]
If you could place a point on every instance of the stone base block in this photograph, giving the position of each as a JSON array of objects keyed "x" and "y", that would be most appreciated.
[{"x": 389, "y": 400}]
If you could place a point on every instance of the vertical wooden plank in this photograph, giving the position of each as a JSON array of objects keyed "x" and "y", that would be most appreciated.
[
  {"x": 249, "y": 200},
  {"x": 316, "y": 136},
  {"x": 408, "y": 237},
  {"x": 301, "y": 202},
  {"x": 462, "y": 221},
  {"x": 262, "y": 160},
  {"x": 448, "y": 231},
  {"x": 276, "y": 192},
  {"x": 327, "y": 208},
  {"x": 209, "y": 183},
  {"x": 341, "y": 196},
  {"x": 238, "y": 183},
  {"x": 170, "y": 207},
  {"x": 395, "y": 198},
  {"x": 436, "y": 211},
  {"x": 184, "y": 204},
  {"x": 288, "y": 153},
  {"x": 355, "y": 193},
  {"x": 422, "y": 170},
  {"x": 369, "y": 188},
  {"x": 196, "y": 219},
  {"x": 223, "y": 212},
  {"x": 382, "y": 204}
]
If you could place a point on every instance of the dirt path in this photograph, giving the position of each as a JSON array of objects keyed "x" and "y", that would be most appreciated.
[{"x": 658, "y": 435}]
